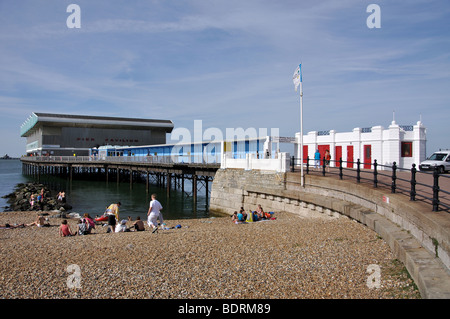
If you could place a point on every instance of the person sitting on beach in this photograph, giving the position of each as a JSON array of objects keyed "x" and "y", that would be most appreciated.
[
  {"x": 250, "y": 217},
  {"x": 244, "y": 212},
  {"x": 81, "y": 228},
  {"x": 90, "y": 224},
  {"x": 122, "y": 226},
  {"x": 40, "y": 221},
  {"x": 138, "y": 224},
  {"x": 260, "y": 212},
  {"x": 242, "y": 216},
  {"x": 234, "y": 218},
  {"x": 255, "y": 216},
  {"x": 64, "y": 229}
]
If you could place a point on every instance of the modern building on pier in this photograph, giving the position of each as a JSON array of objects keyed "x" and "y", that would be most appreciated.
[
  {"x": 403, "y": 144},
  {"x": 69, "y": 135},
  {"x": 195, "y": 152}
]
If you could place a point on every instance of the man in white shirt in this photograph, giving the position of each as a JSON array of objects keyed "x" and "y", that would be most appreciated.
[{"x": 154, "y": 213}]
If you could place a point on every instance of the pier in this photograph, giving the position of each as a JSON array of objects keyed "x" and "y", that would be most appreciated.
[{"x": 161, "y": 171}]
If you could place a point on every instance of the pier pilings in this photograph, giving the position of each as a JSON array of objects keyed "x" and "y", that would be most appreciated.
[{"x": 165, "y": 175}]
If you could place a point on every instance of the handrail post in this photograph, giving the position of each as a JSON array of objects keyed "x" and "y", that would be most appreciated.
[
  {"x": 340, "y": 168},
  {"x": 375, "y": 173},
  {"x": 307, "y": 165},
  {"x": 292, "y": 163},
  {"x": 412, "y": 194},
  {"x": 394, "y": 178},
  {"x": 436, "y": 189},
  {"x": 323, "y": 166},
  {"x": 358, "y": 171}
]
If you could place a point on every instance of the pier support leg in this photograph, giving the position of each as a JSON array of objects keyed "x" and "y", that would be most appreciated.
[
  {"x": 131, "y": 178},
  {"x": 207, "y": 189},
  {"x": 182, "y": 183},
  {"x": 168, "y": 180},
  {"x": 194, "y": 188}
]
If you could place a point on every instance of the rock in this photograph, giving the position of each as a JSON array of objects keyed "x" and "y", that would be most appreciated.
[{"x": 19, "y": 200}]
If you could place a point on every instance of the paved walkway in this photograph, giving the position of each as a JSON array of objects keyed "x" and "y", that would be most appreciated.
[{"x": 424, "y": 183}]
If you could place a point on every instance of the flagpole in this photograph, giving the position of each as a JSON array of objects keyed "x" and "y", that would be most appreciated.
[
  {"x": 297, "y": 79},
  {"x": 301, "y": 133}
]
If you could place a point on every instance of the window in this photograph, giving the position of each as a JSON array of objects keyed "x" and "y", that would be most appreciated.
[{"x": 406, "y": 149}]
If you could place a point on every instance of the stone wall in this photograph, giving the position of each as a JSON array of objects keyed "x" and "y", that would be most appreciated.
[
  {"x": 419, "y": 237},
  {"x": 235, "y": 188},
  {"x": 231, "y": 186}
]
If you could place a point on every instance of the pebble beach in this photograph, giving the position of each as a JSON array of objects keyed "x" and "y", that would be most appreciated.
[{"x": 291, "y": 257}]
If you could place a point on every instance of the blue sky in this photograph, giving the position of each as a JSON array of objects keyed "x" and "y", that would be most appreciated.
[{"x": 227, "y": 63}]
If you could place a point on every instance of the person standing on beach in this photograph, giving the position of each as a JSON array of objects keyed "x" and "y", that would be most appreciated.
[
  {"x": 154, "y": 212},
  {"x": 113, "y": 215}
]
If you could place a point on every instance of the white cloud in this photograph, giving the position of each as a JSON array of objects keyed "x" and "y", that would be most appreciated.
[{"x": 229, "y": 62}]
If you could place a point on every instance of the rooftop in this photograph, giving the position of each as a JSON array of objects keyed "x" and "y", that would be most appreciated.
[{"x": 71, "y": 120}]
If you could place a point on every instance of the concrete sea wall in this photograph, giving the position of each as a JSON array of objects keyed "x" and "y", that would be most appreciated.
[{"x": 418, "y": 237}]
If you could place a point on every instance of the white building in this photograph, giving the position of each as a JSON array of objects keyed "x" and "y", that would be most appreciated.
[{"x": 405, "y": 145}]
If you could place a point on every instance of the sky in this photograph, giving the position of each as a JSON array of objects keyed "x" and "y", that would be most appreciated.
[{"x": 227, "y": 63}]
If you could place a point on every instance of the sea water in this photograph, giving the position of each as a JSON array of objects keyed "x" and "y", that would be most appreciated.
[{"x": 94, "y": 196}]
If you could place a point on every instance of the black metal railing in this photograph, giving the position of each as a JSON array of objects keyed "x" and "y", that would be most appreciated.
[{"x": 418, "y": 185}]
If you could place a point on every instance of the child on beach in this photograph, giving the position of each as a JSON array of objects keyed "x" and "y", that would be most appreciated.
[
  {"x": 260, "y": 212},
  {"x": 32, "y": 201},
  {"x": 122, "y": 226},
  {"x": 81, "y": 228},
  {"x": 64, "y": 229},
  {"x": 89, "y": 222},
  {"x": 234, "y": 218},
  {"x": 242, "y": 216},
  {"x": 138, "y": 224}
]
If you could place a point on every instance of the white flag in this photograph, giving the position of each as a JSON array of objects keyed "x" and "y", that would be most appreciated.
[{"x": 297, "y": 77}]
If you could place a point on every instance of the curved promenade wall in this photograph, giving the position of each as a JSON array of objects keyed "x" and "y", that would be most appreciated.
[{"x": 418, "y": 237}]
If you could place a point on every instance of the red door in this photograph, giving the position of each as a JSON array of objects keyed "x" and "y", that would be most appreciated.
[
  {"x": 350, "y": 156},
  {"x": 305, "y": 154},
  {"x": 367, "y": 156},
  {"x": 338, "y": 152},
  {"x": 322, "y": 149}
]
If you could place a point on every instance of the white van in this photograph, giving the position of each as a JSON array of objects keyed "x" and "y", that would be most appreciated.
[{"x": 441, "y": 159}]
